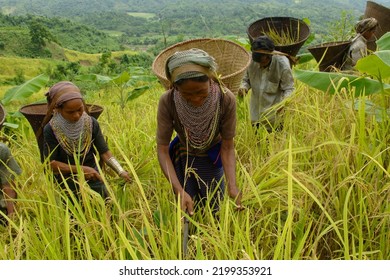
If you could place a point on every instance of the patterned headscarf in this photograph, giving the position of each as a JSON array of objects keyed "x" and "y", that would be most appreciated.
[
  {"x": 365, "y": 25},
  {"x": 189, "y": 64},
  {"x": 62, "y": 92},
  {"x": 57, "y": 95}
]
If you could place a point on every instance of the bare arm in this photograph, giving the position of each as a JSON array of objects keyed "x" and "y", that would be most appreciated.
[
  {"x": 106, "y": 157},
  {"x": 169, "y": 172},
  {"x": 245, "y": 84},
  {"x": 9, "y": 195},
  {"x": 64, "y": 168},
  {"x": 229, "y": 165}
]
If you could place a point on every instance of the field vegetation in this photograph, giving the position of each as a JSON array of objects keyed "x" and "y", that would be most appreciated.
[{"x": 318, "y": 189}]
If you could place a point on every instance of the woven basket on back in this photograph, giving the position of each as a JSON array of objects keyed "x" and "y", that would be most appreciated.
[
  {"x": 2, "y": 115},
  {"x": 232, "y": 60},
  {"x": 35, "y": 113},
  {"x": 330, "y": 55},
  {"x": 382, "y": 15},
  {"x": 294, "y": 29}
]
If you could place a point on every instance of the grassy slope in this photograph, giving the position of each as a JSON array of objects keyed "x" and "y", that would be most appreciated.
[{"x": 11, "y": 65}]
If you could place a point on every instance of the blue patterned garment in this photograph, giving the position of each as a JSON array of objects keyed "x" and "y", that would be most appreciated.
[{"x": 201, "y": 175}]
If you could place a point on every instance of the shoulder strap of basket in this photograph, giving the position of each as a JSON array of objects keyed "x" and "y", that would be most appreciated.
[{"x": 293, "y": 60}]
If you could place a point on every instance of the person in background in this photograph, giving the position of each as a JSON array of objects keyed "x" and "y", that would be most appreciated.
[
  {"x": 365, "y": 30},
  {"x": 203, "y": 114},
  {"x": 70, "y": 135},
  {"x": 8, "y": 168},
  {"x": 270, "y": 77}
]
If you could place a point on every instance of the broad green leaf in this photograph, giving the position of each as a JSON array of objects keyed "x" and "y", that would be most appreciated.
[
  {"x": 121, "y": 79},
  {"x": 136, "y": 92},
  {"x": 370, "y": 108},
  {"x": 87, "y": 77},
  {"x": 94, "y": 77},
  {"x": 376, "y": 64},
  {"x": 136, "y": 70},
  {"x": 305, "y": 57},
  {"x": 333, "y": 82},
  {"x": 11, "y": 125},
  {"x": 243, "y": 41},
  {"x": 141, "y": 79},
  {"x": 383, "y": 42},
  {"x": 26, "y": 89}
]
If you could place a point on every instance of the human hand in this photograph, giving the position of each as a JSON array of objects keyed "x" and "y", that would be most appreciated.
[
  {"x": 280, "y": 110},
  {"x": 187, "y": 204},
  {"x": 242, "y": 92},
  {"x": 236, "y": 195},
  {"x": 91, "y": 174},
  {"x": 125, "y": 175}
]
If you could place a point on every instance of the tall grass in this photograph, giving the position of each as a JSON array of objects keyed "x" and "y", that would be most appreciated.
[{"x": 319, "y": 189}]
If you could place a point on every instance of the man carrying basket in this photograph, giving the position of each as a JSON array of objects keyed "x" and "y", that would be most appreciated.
[{"x": 270, "y": 77}]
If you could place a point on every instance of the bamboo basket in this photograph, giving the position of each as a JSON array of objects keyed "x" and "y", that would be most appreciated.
[
  {"x": 296, "y": 29},
  {"x": 382, "y": 15},
  {"x": 35, "y": 113},
  {"x": 330, "y": 55},
  {"x": 231, "y": 58}
]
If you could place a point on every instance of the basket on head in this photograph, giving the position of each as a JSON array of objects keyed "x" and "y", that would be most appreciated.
[
  {"x": 382, "y": 15},
  {"x": 2, "y": 115},
  {"x": 231, "y": 58},
  {"x": 35, "y": 113},
  {"x": 331, "y": 54},
  {"x": 288, "y": 33}
]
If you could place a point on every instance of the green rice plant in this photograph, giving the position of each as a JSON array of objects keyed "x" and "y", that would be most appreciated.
[{"x": 318, "y": 189}]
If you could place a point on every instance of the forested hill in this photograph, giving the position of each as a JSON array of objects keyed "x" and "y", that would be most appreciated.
[
  {"x": 68, "y": 8},
  {"x": 216, "y": 17},
  {"x": 130, "y": 23}
]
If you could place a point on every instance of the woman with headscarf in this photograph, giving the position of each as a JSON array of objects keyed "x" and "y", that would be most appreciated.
[
  {"x": 203, "y": 114},
  {"x": 71, "y": 135},
  {"x": 365, "y": 29},
  {"x": 8, "y": 168}
]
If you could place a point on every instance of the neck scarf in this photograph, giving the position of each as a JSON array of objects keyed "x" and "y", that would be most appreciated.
[
  {"x": 73, "y": 137},
  {"x": 200, "y": 123}
]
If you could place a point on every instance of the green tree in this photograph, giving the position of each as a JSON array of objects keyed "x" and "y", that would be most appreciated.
[{"x": 38, "y": 34}]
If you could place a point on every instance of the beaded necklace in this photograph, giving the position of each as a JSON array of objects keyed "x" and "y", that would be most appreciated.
[
  {"x": 73, "y": 137},
  {"x": 200, "y": 123}
]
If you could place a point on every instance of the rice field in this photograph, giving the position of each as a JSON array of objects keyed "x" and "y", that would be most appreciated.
[{"x": 319, "y": 189}]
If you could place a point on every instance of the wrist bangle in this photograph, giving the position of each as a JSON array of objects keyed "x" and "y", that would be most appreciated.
[{"x": 114, "y": 164}]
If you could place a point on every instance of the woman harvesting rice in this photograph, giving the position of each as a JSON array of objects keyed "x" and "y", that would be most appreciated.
[
  {"x": 203, "y": 114},
  {"x": 70, "y": 136},
  {"x": 8, "y": 168}
]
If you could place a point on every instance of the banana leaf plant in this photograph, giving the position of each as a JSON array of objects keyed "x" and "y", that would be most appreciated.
[
  {"x": 128, "y": 85},
  {"x": 372, "y": 77},
  {"x": 21, "y": 93}
]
